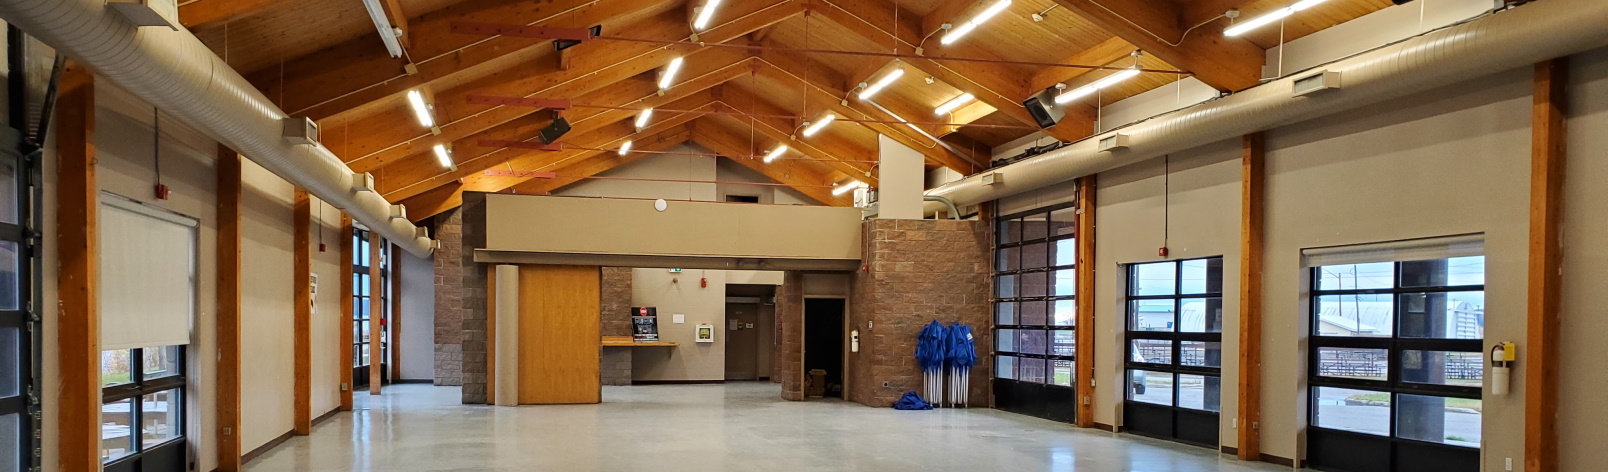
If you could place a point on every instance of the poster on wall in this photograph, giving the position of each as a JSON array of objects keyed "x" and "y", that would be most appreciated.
[
  {"x": 706, "y": 333},
  {"x": 644, "y": 324}
]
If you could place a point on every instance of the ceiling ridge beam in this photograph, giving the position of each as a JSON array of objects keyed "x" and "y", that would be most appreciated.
[{"x": 720, "y": 139}]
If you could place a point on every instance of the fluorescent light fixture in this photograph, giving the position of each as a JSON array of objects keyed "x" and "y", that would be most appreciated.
[
  {"x": 971, "y": 24},
  {"x": 821, "y": 123},
  {"x": 1107, "y": 81},
  {"x": 642, "y": 118},
  {"x": 420, "y": 109},
  {"x": 670, "y": 73},
  {"x": 1275, "y": 15},
  {"x": 775, "y": 153},
  {"x": 442, "y": 156},
  {"x": 953, "y": 104},
  {"x": 848, "y": 187},
  {"x": 625, "y": 148},
  {"x": 881, "y": 83},
  {"x": 704, "y": 14},
  {"x": 388, "y": 34}
]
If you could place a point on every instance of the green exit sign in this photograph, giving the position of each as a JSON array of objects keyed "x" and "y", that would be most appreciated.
[{"x": 675, "y": 271}]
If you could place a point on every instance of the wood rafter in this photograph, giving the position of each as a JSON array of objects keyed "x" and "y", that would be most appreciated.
[
  {"x": 1154, "y": 25},
  {"x": 604, "y": 138},
  {"x": 819, "y": 84},
  {"x": 831, "y": 147},
  {"x": 447, "y": 197},
  {"x": 795, "y": 173},
  {"x": 396, "y": 130},
  {"x": 202, "y": 13},
  {"x": 877, "y": 20},
  {"x": 356, "y": 74},
  {"x": 590, "y": 128},
  {"x": 703, "y": 72}
]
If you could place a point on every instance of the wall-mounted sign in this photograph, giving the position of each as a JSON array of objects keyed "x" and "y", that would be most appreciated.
[{"x": 705, "y": 333}]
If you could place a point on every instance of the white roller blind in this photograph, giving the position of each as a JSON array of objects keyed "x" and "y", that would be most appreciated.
[
  {"x": 1393, "y": 251},
  {"x": 147, "y": 275}
]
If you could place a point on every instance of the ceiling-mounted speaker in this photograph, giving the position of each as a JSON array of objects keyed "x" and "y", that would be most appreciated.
[
  {"x": 553, "y": 131},
  {"x": 1043, "y": 108}
]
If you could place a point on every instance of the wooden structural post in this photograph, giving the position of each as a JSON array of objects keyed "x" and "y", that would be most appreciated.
[
  {"x": 347, "y": 326},
  {"x": 1546, "y": 268},
  {"x": 394, "y": 324},
  {"x": 1084, "y": 273},
  {"x": 228, "y": 383},
  {"x": 302, "y": 315},
  {"x": 1252, "y": 177},
  {"x": 376, "y": 312},
  {"x": 78, "y": 315}
]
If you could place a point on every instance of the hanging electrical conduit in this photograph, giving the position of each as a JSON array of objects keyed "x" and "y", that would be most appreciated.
[{"x": 1513, "y": 38}]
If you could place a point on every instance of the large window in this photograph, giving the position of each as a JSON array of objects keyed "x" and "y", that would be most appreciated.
[
  {"x": 363, "y": 296},
  {"x": 1396, "y": 364},
  {"x": 19, "y": 329},
  {"x": 1174, "y": 349},
  {"x": 1035, "y": 312},
  {"x": 142, "y": 408}
]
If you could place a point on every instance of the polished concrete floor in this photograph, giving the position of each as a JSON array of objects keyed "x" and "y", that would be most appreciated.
[{"x": 731, "y": 427}]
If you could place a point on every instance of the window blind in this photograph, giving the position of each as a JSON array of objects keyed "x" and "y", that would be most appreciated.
[
  {"x": 147, "y": 275},
  {"x": 1393, "y": 251}
]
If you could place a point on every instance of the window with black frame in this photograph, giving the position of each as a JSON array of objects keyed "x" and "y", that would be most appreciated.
[
  {"x": 1174, "y": 349},
  {"x": 1035, "y": 312},
  {"x": 362, "y": 298},
  {"x": 142, "y": 409},
  {"x": 1396, "y": 365},
  {"x": 19, "y": 341}
]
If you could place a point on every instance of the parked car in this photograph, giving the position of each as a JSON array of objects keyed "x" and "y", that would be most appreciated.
[{"x": 1137, "y": 381}]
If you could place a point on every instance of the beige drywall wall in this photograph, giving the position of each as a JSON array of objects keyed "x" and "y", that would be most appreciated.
[
  {"x": 616, "y": 226},
  {"x": 1451, "y": 161},
  {"x": 695, "y": 164},
  {"x": 683, "y": 293},
  {"x": 267, "y": 298},
  {"x": 124, "y": 140},
  {"x": 417, "y": 318},
  {"x": 1190, "y": 204},
  {"x": 1585, "y": 243},
  {"x": 326, "y": 316},
  {"x": 901, "y": 178},
  {"x": 732, "y": 177}
]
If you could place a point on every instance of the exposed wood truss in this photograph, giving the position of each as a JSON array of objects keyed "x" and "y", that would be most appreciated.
[{"x": 750, "y": 59}]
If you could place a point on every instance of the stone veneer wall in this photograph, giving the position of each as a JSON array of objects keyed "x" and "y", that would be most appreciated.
[
  {"x": 449, "y": 299},
  {"x": 916, "y": 271},
  {"x": 788, "y": 364},
  {"x": 472, "y": 284}
]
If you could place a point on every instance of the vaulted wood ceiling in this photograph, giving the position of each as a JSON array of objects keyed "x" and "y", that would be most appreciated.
[{"x": 323, "y": 59}]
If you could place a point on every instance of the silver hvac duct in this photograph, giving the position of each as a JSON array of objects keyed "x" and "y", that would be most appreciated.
[
  {"x": 1510, "y": 39},
  {"x": 177, "y": 73}
]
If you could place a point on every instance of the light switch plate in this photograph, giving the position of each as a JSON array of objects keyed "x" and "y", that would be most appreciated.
[{"x": 678, "y": 318}]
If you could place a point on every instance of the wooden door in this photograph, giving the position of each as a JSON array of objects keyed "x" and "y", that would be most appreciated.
[{"x": 559, "y": 343}]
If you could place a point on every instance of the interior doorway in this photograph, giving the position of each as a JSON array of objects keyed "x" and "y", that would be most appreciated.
[
  {"x": 750, "y": 321},
  {"x": 823, "y": 347}
]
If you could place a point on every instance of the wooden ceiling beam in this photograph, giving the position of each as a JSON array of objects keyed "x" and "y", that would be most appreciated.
[
  {"x": 399, "y": 20},
  {"x": 834, "y": 148},
  {"x": 357, "y": 75},
  {"x": 705, "y": 71},
  {"x": 782, "y": 68},
  {"x": 991, "y": 84},
  {"x": 1227, "y": 64},
  {"x": 1106, "y": 52},
  {"x": 396, "y": 129},
  {"x": 447, "y": 197},
  {"x": 204, "y": 13},
  {"x": 795, "y": 173},
  {"x": 600, "y": 162},
  {"x": 409, "y": 181}
]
